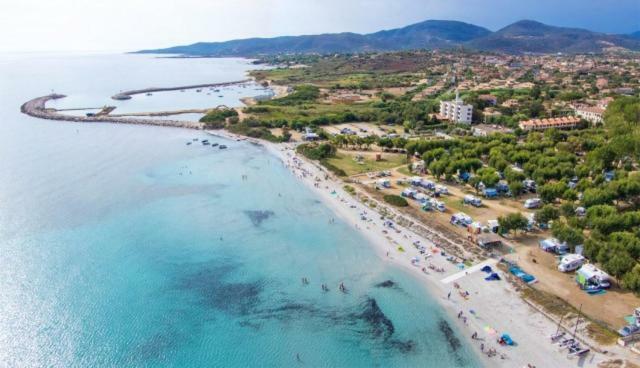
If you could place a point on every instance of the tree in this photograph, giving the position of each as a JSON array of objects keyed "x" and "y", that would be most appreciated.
[
  {"x": 516, "y": 188},
  {"x": 565, "y": 233},
  {"x": 513, "y": 222},
  {"x": 547, "y": 213},
  {"x": 549, "y": 192}
]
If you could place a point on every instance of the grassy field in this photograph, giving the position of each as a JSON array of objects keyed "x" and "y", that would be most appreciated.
[
  {"x": 348, "y": 163},
  {"x": 307, "y": 111},
  {"x": 456, "y": 204}
]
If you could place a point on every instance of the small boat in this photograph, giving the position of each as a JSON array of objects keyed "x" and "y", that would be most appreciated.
[
  {"x": 188, "y": 143},
  {"x": 222, "y": 146},
  {"x": 149, "y": 94},
  {"x": 205, "y": 143},
  {"x": 556, "y": 336},
  {"x": 214, "y": 144},
  {"x": 198, "y": 90},
  {"x": 220, "y": 96}
]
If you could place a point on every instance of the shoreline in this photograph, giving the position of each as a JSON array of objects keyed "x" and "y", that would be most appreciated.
[
  {"x": 498, "y": 306},
  {"x": 495, "y": 304}
]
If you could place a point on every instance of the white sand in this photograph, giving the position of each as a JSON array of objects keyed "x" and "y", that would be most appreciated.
[{"x": 495, "y": 304}]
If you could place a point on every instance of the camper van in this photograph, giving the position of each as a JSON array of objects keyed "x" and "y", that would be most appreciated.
[
  {"x": 461, "y": 219},
  {"x": 590, "y": 277},
  {"x": 383, "y": 184},
  {"x": 532, "y": 203},
  {"x": 553, "y": 245},
  {"x": 571, "y": 262},
  {"x": 442, "y": 189},
  {"x": 472, "y": 200},
  {"x": 409, "y": 193},
  {"x": 438, "y": 205}
]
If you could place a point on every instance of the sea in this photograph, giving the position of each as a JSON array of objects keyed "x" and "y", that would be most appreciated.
[{"x": 123, "y": 246}]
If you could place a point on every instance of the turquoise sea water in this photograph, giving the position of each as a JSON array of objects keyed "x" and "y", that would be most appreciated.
[{"x": 122, "y": 246}]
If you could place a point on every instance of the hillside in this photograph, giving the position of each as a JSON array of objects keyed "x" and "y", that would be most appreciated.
[
  {"x": 535, "y": 37},
  {"x": 427, "y": 34},
  {"x": 520, "y": 37}
]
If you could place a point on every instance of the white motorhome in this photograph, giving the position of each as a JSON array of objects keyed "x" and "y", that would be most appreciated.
[
  {"x": 472, "y": 200},
  {"x": 571, "y": 262},
  {"x": 532, "y": 203},
  {"x": 590, "y": 275}
]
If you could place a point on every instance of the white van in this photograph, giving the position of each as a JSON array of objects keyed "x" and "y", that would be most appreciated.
[
  {"x": 571, "y": 262},
  {"x": 532, "y": 203},
  {"x": 472, "y": 200}
]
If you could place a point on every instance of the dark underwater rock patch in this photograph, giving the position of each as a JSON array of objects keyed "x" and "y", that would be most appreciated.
[
  {"x": 449, "y": 335},
  {"x": 379, "y": 324},
  {"x": 257, "y": 217},
  {"x": 389, "y": 284},
  {"x": 215, "y": 290}
]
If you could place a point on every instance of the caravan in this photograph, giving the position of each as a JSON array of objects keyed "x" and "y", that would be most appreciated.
[
  {"x": 532, "y": 203},
  {"x": 383, "y": 184},
  {"x": 571, "y": 262},
  {"x": 472, "y": 200},
  {"x": 590, "y": 277}
]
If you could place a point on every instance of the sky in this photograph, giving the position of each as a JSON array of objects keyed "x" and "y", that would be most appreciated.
[{"x": 128, "y": 25}]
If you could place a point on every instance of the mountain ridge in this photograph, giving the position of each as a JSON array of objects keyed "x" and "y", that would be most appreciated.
[{"x": 524, "y": 36}]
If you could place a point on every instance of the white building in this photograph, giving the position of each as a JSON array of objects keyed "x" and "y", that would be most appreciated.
[
  {"x": 456, "y": 111},
  {"x": 593, "y": 114}
]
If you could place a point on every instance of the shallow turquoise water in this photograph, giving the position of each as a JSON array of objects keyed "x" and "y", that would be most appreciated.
[{"x": 122, "y": 246}]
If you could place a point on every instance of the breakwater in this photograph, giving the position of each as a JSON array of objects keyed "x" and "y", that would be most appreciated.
[
  {"x": 37, "y": 108},
  {"x": 125, "y": 95}
]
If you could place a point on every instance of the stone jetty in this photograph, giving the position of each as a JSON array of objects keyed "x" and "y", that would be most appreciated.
[
  {"x": 37, "y": 108},
  {"x": 125, "y": 95}
]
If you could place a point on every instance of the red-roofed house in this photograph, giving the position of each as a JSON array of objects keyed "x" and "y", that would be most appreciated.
[{"x": 567, "y": 122}]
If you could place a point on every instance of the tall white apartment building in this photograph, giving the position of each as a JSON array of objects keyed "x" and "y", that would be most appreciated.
[{"x": 456, "y": 111}]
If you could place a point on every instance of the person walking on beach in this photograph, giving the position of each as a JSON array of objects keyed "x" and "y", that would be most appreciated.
[{"x": 449, "y": 295}]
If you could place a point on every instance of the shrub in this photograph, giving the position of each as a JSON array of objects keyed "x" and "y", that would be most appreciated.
[{"x": 395, "y": 200}]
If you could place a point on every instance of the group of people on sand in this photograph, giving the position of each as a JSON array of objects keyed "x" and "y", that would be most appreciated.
[{"x": 491, "y": 352}]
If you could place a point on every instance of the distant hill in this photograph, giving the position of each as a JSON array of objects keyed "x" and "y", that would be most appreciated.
[
  {"x": 519, "y": 37},
  {"x": 429, "y": 34},
  {"x": 532, "y": 36}
]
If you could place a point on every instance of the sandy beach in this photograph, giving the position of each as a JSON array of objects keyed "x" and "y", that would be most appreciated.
[{"x": 486, "y": 308}]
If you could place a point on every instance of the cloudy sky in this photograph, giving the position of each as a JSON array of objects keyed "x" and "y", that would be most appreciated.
[{"x": 123, "y": 25}]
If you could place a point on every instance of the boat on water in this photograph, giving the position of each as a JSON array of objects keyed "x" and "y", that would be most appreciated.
[
  {"x": 198, "y": 90},
  {"x": 222, "y": 146},
  {"x": 188, "y": 143},
  {"x": 205, "y": 142},
  {"x": 214, "y": 144},
  {"x": 149, "y": 94}
]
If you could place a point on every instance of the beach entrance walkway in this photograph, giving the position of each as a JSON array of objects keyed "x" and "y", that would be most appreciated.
[{"x": 470, "y": 270}]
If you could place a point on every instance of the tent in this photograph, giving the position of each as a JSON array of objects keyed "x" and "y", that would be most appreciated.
[
  {"x": 486, "y": 269},
  {"x": 493, "y": 277}
]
